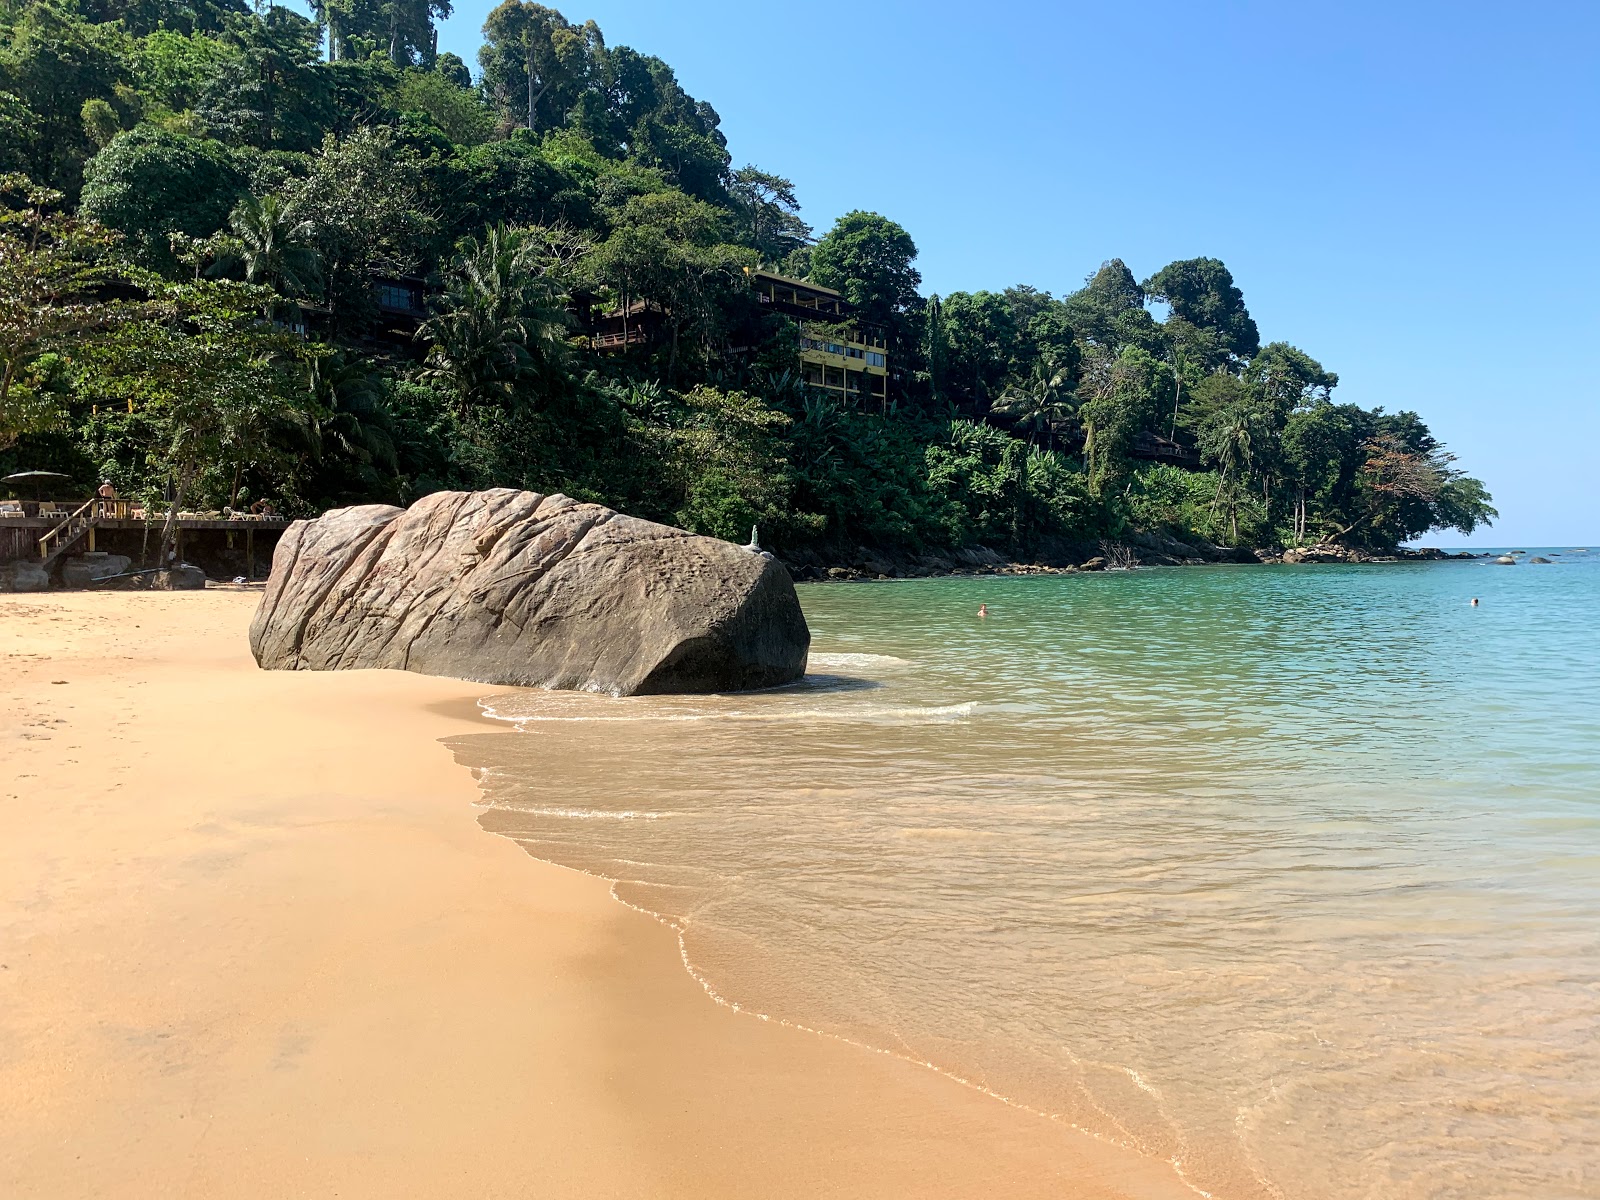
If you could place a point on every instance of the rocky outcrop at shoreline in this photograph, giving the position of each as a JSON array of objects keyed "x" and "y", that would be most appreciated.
[
  {"x": 1064, "y": 558},
  {"x": 512, "y": 587}
]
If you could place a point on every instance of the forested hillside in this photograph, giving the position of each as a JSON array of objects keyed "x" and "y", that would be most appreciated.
[{"x": 215, "y": 220}]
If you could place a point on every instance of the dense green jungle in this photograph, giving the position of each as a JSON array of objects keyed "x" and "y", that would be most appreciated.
[{"x": 210, "y": 217}]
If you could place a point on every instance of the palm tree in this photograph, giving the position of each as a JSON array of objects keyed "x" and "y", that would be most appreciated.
[
  {"x": 503, "y": 319},
  {"x": 1178, "y": 359},
  {"x": 273, "y": 246},
  {"x": 1042, "y": 403},
  {"x": 1228, "y": 443},
  {"x": 351, "y": 412}
]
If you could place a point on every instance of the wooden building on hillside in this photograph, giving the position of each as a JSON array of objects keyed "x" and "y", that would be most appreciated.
[{"x": 837, "y": 353}]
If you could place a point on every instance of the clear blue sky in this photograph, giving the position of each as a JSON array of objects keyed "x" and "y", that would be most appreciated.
[{"x": 1407, "y": 191}]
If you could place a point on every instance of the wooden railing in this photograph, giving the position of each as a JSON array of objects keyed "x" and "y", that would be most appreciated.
[
  {"x": 70, "y": 530},
  {"x": 122, "y": 510},
  {"x": 55, "y": 510}
]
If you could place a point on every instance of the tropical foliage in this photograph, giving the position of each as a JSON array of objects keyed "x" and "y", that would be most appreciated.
[{"x": 252, "y": 254}]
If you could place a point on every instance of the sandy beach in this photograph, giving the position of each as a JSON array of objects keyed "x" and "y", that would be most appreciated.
[{"x": 253, "y": 942}]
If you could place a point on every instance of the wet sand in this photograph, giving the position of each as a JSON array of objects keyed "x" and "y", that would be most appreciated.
[{"x": 254, "y": 943}]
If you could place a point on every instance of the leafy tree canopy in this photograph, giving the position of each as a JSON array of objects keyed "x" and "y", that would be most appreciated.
[
  {"x": 1201, "y": 292},
  {"x": 150, "y": 184},
  {"x": 868, "y": 258}
]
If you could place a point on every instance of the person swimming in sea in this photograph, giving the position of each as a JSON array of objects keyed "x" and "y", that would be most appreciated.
[
  {"x": 983, "y": 610},
  {"x": 1474, "y": 602}
]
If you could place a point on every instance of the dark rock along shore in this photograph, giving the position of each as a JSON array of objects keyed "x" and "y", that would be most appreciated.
[
  {"x": 512, "y": 587},
  {"x": 1060, "y": 557}
]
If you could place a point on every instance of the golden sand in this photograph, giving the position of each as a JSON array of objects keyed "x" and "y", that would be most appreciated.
[{"x": 254, "y": 943}]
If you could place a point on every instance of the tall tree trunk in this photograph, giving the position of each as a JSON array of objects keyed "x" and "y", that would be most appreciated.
[
  {"x": 169, "y": 531},
  {"x": 1019, "y": 534},
  {"x": 1350, "y": 528},
  {"x": 532, "y": 79},
  {"x": 266, "y": 109},
  {"x": 536, "y": 90}
]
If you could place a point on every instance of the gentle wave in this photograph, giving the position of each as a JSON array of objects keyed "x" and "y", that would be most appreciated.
[
  {"x": 575, "y": 814},
  {"x": 849, "y": 715},
  {"x": 859, "y": 662}
]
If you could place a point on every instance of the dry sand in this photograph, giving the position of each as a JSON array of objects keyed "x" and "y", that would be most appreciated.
[{"x": 253, "y": 943}]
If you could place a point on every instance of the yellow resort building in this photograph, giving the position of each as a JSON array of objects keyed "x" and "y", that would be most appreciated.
[{"x": 837, "y": 353}]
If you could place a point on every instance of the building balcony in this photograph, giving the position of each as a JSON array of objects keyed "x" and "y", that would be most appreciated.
[
  {"x": 853, "y": 357},
  {"x": 845, "y": 383},
  {"x": 616, "y": 340}
]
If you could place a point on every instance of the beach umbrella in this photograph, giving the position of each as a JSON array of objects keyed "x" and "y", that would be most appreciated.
[{"x": 36, "y": 478}]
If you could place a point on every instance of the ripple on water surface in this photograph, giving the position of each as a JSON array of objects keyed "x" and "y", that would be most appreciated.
[{"x": 1286, "y": 876}]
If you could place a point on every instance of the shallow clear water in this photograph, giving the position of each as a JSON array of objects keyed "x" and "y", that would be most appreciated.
[{"x": 1290, "y": 876}]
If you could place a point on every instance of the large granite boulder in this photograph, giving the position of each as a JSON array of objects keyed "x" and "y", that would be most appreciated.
[{"x": 513, "y": 587}]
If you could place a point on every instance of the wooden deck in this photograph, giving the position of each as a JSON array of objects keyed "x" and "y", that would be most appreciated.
[
  {"x": 45, "y": 531},
  {"x": 39, "y": 526}
]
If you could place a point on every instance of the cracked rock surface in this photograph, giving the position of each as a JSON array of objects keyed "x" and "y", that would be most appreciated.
[{"x": 512, "y": 587}]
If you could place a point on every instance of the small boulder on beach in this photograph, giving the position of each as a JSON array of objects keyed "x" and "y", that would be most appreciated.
[
  {"x": 82, "y": 570},
  {"x": 23, "y": 575},
  {"x": 513, "y": 587}
]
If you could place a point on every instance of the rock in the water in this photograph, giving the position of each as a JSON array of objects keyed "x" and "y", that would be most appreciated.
[
  {"x": 24, "y": 575},
  {"x": 1096, "y": 563},
  {"x": 512, "y": 587},
  {"x": 1505, "y": 560},
  {"x": 1157, "y": 549},
  {"x": 1323, "y": 552},
  {"x": 1539, "y": 559}
]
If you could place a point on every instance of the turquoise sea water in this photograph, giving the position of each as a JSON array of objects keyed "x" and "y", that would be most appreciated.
[{"x": 1289, "y": 876}]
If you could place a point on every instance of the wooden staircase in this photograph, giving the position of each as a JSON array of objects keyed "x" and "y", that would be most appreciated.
[{"x": 66, "y": 535}]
